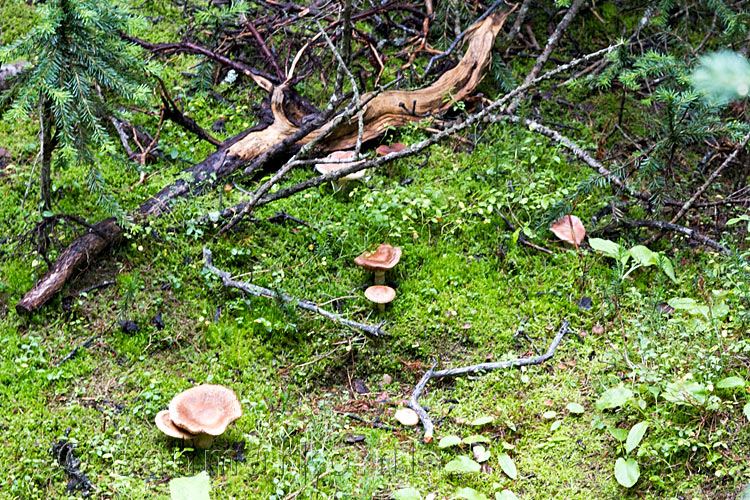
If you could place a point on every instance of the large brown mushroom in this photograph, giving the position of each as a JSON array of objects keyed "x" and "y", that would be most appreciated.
[
  {"x": 327, "y": 168},
  {"x": 199, "y": 414},
  {"x": 380, "y": 261},
  {"x": 381, "y": 295}
]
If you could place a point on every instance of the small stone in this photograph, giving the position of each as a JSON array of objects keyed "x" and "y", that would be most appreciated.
[{"x": 387, "y": 379}]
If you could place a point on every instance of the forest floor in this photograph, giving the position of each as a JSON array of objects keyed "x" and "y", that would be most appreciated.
[{"x": 466, "y": 292}]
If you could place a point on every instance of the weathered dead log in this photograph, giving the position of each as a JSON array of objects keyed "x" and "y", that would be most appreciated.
[
  {"x": 283, "y": 117},
  {"x": 8, "y": 71}
]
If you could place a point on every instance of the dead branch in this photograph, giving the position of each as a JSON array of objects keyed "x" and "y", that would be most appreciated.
[
  {"x": 259, "y": 291},
  {"x": 551, "y": 44},
  {"x": 171, "y": 112},
  {"x": 711, "y": 178},
  {"x": 461, "y": 36},
  {"x": 668, "y": 226},
  {"x": 478, "y": 369}
]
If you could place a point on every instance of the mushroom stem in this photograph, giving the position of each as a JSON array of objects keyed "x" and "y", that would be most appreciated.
[
  {"x": 203, "y": 441},
  {"x": 380, "y": 277},
  {"x": 381, "y": 307}
]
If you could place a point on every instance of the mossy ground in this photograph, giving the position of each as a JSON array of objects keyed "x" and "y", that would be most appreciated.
[{"x": 464, "y": 287}]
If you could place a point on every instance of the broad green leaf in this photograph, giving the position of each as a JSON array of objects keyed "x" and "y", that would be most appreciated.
[
  {"x": 619, "y": 434},
  {"x": 745, "y": 495},
  {"x": 666, "y": 266},
  {"x": 608, "y": 248},
  {"x": 483, "y": 420},
  {"x": 190, "y": 488},
  {"x": 575, "y": 408},
  {"x": 549, "y": 415},
  {"x": 470, "y": 494},
  {"x": 627, "y": 472},
  {"x": 462, "y": 465},
  {"x": 730, "y": 383},
  {"x": 508, "y": 466},
  {"x": 643, "y": 255},
  {"x": 635, "y": 436},
  {"x": 448, "y": 441},
  {"x": 720, "y": 310},
  {"x": 683, "y": 393},
  {"x": 476, "y": 438},
  {"x": 406, "y": 494},
  {"x": 684, "y": 303},
  {"x": 505, "y": 495},
  {"x": 555, "y": 425},
  {"x": 746, "y": 410},
  {"x": 613, "y": 398}
]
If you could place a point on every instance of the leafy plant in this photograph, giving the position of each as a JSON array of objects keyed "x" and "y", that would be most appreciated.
[{"x": 639, "y": 256}]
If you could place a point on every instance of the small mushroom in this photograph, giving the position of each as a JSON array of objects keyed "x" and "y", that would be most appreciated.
[
  {"x": 380, "y": 261},
  {"x": 381, "y": 295},
  {"x": 204, "y": 411},
  {"x": 327, "y": 168},
  {"x": 385, "y": 149},
  {"x": 407, "y": 416}
]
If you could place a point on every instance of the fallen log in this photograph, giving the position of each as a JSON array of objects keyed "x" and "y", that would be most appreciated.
[{"x": 283, "y": 115}]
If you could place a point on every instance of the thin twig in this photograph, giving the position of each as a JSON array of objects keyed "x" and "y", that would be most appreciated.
[
  {"x": 72, "y": 354},
  {"x": 259, "y": 291},
  {"x": 478, "y": 369}
]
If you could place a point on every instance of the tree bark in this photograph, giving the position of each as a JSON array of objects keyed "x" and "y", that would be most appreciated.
[{"x": 282, "y": 117}]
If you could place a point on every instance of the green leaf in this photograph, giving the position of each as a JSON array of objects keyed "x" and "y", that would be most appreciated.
[
  {"x": 549, "y": 415},
  {"x": 684, "y": 303},
  {"x": 463, "y": 465},
  {"x": 575, "y": 408},
  {"x": 190, "y": 488},
  {"x": 643, "y": 255},
  {"x": 505, "y": 495},
  {"x": 608, "y": 248},
  {"x": 746, "y": 410},
  {"x": 483, "y": 421},
  {"x": 476, "y": 438},
  {"x": 666, "y": 266},
  {"x": 627, "y": 472},
  {"x": 613, "y": 398},
  {"x": 619, "y": 434},
  {"x": 730, "y": 383},
  {"x": 683, "y": 393},
  {"x": 470, "y": 494},
  {"x": 448, "y": 441},
  {"x": 508, "y": 466},
  {"x": 635, "y": 436},
  {"x": 406, "y": 494},
  {"x": 745, "y": 495},
  {"x": 555, "y": 425}
]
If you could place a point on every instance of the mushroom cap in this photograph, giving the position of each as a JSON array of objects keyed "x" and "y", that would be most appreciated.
[
  {"x": 205, "y": 409},
  {"x": 327, "y": 168},
  {"x": 569, "y": 229},
  {"x": 382, "y": 259},
  {"x": 165, "y": 424},
  {"x": 385, "y": 149},
  {"x": 380, "y": 294}
]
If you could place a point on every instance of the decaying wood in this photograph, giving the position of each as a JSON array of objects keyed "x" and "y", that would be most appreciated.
[
  {"x": 478, "y": 369},
  {"x": 259, "y": 291},
  {"x": 285, "y": 115}
]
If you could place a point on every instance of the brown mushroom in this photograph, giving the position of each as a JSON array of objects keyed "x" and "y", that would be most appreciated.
[
  {"x": 327, "y": 168},
  {"x": 381, "y": 295},
  {"x": 380, "y": 261},
  {"x": 164, "y": 423},
  {"x": 385, "y": 149},
  {"x": 205, "y": 411}
]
